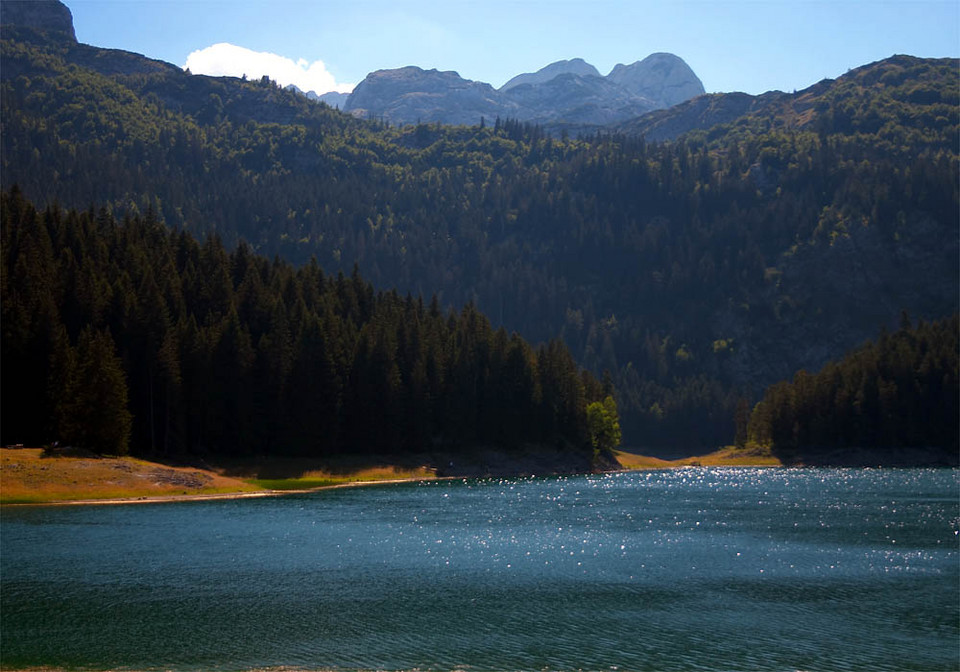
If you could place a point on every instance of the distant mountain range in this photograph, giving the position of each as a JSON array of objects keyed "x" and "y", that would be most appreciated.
[
  {"x": 569, "y": 95},
  {"x": 565, "y": 93},
  {"x": 659, "y": 97}
]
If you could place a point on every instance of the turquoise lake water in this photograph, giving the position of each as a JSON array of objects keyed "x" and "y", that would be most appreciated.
[{"x": 691, "y": 569}]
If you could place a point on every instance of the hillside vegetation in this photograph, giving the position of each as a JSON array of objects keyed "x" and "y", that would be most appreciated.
[
  {"x": 897, "y": 397},
  {"x": 125, "y": 334},
  {"x": 695, "y": 272}
]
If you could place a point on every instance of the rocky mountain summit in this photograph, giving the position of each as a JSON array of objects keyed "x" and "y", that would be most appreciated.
[
  {"x": 662, "y": 78},
  {"x": 569, "y": 93},
  {"x": 576, "y": 66},
  {"x": 49, "y": 16},
  {"x": 575, "y": 99},
  {"x": 410, "y": 95}
]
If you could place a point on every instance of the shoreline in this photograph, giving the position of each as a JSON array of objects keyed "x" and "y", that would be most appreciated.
[
  {"x": 626, "y": 461},
  {"x": 29, "y": 477},
  {"x": 215, "y": 496},
  {"x": 260, "y": 494},
  {"x": 488, "y": 464},
  {"x": 16, "y": 463}
]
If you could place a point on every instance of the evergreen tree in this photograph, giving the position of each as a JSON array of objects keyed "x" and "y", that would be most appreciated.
[
  {"x": 901, "y": 391},
  {"x": 95, "y": 415}
]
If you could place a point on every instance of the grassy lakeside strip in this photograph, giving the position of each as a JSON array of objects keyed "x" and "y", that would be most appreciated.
[
  {"x": 724, "y": 457},
  {"x": 28, "y": 477},
  {"x": 317, "y": 479}
]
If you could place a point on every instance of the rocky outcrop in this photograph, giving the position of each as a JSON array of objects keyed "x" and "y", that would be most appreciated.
[
  {"x": 575, "y": 66},
  {"x": 411, "y": 94},
  {"x": 47, "y": 16},
  {"x": 664, "y": 79},
  {"x": 49, "y": 22},
  {"x": 575, "y": 99}
]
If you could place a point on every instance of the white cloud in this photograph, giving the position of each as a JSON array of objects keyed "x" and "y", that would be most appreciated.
[{"x": 228, "y": 59}]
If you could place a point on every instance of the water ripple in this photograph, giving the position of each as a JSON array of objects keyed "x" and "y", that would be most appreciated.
[{"x": 692, "y": 569}]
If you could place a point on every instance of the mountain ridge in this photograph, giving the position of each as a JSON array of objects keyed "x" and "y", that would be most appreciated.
[
  {"x": 412, "y": 94},
  {"x": 569, "y": 92},
  {"x": 573, "y": 66},
  {"x": 799, "y": 110}
]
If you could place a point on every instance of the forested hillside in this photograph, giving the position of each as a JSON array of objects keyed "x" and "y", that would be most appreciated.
[
  {"x": 901, "y": 391},
  {"x": 127, "y": 334},
  {"x": 696, "y": 272},
  {"x": 879, "y": 100}
]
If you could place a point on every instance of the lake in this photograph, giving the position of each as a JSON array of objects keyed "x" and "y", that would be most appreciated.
[{"x": 688, "y": 569}]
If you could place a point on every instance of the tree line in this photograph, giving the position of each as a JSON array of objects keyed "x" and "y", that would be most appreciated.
[
  {"x": 900, "y": 391},
  {"x": 125, "y": 336}
]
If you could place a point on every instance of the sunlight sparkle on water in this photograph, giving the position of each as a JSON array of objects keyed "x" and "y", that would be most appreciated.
[{"x": 537, "y": 573}]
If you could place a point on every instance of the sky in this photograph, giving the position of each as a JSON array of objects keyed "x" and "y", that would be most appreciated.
[{"x": 330, "y": 45}]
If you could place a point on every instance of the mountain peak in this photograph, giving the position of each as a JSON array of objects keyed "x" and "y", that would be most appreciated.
[
  {"x": 663, "y": 77},
  {"x": 409, "y": 94},
  {"x": 48, "y": 16},
  {"x": 563, "y": 93},
  {"x": 575, "y": 66}
]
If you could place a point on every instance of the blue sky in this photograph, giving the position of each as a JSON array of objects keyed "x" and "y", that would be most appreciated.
[{"x": 733, "y": 45}]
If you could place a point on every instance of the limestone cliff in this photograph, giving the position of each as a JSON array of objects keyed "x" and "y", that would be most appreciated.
[{"x": 47, "y": 16}]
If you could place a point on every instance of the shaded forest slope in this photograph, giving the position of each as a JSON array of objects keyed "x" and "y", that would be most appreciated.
[
  {"x": 125, "y": 335},
  {"x": 892, "y": 401}
]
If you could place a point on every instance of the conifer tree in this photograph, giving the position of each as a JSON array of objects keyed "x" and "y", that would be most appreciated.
[
  {"x": 96, "y": 417},
  {"x": 286, "y": 363}
]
